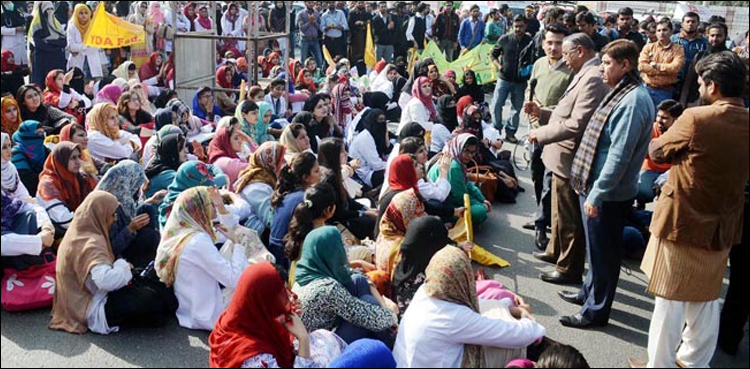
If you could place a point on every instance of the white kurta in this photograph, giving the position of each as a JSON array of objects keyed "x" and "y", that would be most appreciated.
[
  {"x": 416, "y": 112},
  {"x": 431, "y": 325},
  {"x": 103, "y": 279},
  {"x": 365, "y": 149},
  {"x": 78, "y": 51},
  {"x": 103, "y": 148},
  {"x": 16, "y": 43}
]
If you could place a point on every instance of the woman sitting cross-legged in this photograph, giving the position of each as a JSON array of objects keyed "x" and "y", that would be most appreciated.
[
  {"x": 170, "y": 153},
  {"x": 135, "y": 234},
  {"x": 63, "y": 186},
  {"x": 462, "y": 150},
  {"x": 371, "y": 147},
  {"x": 93, "y": 289},
  {"x": 260, "y": 325},
  {"x": 333, "y": 298},
  {"x": 188, "y": 259},
  {"x": 444, "y": 317}
]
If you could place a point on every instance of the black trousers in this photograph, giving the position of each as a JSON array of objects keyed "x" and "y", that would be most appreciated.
[
  {"x": 542, "y": 189},
  {"x": 736, "y": 309},
  {"x": 144, "y": 303}
]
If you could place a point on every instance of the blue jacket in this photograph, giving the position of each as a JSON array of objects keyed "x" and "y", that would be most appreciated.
[
  {"x": 465, "y": 33},
  {"x": 692, "y": 48},
  {"x": 622, "y": 148}
]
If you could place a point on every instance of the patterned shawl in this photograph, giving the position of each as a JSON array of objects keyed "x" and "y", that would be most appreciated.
[
  {"x": 405, "y": 207},
  {"x": 265, "y": 164},
  {"x": 124, "y": 180}
]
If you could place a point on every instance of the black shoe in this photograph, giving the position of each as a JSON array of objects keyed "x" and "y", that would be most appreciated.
[
  {"x": 530, "y": 226},
  {"x": 556, "y": 277},
  {"x": 542, "y": 256},
  {"x": 570, "y": 297},
  {"x": 579, "y": 321},
  {"x": 511, "y": 139},
  {"x": 541, "y": 240}
]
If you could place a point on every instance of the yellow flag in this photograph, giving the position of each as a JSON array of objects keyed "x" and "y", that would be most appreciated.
[
  {"x": 370, "y": 57},
  {"x": 327, "y": 57},
  {"x": 109, "y": 32}
]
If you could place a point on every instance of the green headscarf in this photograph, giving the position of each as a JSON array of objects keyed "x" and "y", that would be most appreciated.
[
  {"x": 261, "y": 129},
  {"x": 323, "y": 256}
]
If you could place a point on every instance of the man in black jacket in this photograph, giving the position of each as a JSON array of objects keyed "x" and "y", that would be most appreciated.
[
  {"x": 401, "y": 19},
  {"x": 359, "y": 18},
  {"x": 383, "y": 28},
  {"x": 445, "y": 31},
  {"x": 505, "y": 56}
]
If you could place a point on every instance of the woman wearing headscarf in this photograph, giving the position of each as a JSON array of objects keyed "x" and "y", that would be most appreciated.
[
  {"x": 258, "y": 328},
  {"x": 190, "y": 12},
  {"x": 371, "y": 147},
  {"x": 462, "y": 150},
  {"x": 139, "y": 53},
  {"x": 189, "y": 175},
  {"x": 81, "y": 56},
  {"x": 62, "y": 184},
  {"x": 321, "y": 126},
  {"x": 60, "y": 94},
  {"x": 127, "y": 71},
  {"x": 371, "y": 101},
  {"x": 306, "y": 83},
  {"x": 49, "y": 40},
  {"x": 231, "y": 23},
  {"x": 204, "y": 105},
  {"x": 444, "y": 317},
  {"x": 403, "y": 208},
  {"x": 77, "y": 134},
  {"x": 332, "y": 298},
  {"x": 33, "y": 108},
  {"x": 257, "y": 183},
  {"x": 135, "y": 233},
  {"x": 440, "y": 85},
  {"x": 163, "y": 118},
  {"x": 12, "y": 184},
  {"x": 10, "y": 115},
  {"x": 295, "y": 140},
  {"x": 188, "y": 260},
  {"x": 107, "y": 142},
  {"x": 26, "y": 232},
  {"x": 29, "y": 153},
  {"x": 93, "y": 290},
  {"x": 451, "y": 76},
  {"x": 342, "y": 105},
  {"x": 424, "y": 237},
  {"x": 225, "y": 100},
  {"x": 108, "y": 94},
  {"x": 224, "y": 149},
  {"x": 152, "y": 72},
  {"x": 385, "y": 81},
  {"x": 421, "y": 68},
  {"x": 446, "y": 124},
  {"x": 11, "y": 74},
  {"x": 471, "y": 88},
  {"x": 203, "y": 21},
  {"x": 170, "y": 153},
  {"x": 14, "y": 31},
  {"x": 157, "y": 16},
  {"x": 421, "y": 108}
]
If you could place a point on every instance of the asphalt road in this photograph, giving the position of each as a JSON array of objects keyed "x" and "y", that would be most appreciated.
[{"x": 26, "y": 341}]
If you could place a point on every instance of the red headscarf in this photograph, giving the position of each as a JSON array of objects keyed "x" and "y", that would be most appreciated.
[
  {"x": 292, "y": 66},
  {"x": 416, "y": 92},
  {"x": 380, "y": 66},
  {"x": 402, "y": 175},
  {"x": 5, "y": 65},
  {"x": 150, "y": 69},
  {"x": 462, "y": 104},
  {"x": 269, "y": 65},
  {"x": 221, "y": 146},
  {"x": 57, "y": 182},
  {"x": 341, "y": 106},
  {"x": 242, "y": 64},
  {"x": 249, "y": 326},
  {"x": 221, "y": 77},
  {"x": 51, "y": 94},
  {"x": 312, "y": 86}
]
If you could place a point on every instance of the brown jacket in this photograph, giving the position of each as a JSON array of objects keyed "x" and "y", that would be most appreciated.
[
  {"x": 670, "y": 61},
  {"x": 564, "y": 126},
  {"x": 702, "y": 203}
]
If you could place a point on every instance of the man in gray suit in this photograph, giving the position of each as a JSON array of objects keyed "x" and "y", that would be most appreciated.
[{"x": 561, "y": 134}]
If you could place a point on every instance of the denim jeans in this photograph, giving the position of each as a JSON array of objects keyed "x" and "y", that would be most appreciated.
[
  {"x": 311, "y": 48},
  {"x": 657, "y": 96},
  {"x": 516, "y": 91},
  {"x": 646, "y": 186}
]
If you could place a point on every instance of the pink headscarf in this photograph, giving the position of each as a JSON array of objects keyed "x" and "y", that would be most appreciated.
[
  {"x": 416, "y": 93},
  {"x": 156, "y": 13},
  {"x": 110, "y": 94}
]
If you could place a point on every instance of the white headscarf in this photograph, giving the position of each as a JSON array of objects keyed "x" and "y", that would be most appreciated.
[
  {"x": 10, "y": 177},
  {"x": 382, "y": 84}
]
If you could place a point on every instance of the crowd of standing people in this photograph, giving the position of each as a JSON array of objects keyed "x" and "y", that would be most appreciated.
[{"x": 301, "y": 229}]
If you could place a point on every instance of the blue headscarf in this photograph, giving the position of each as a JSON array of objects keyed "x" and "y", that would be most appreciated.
[
  {"x": 29, "y": 152},
  {"x": 198, "y": 110},
  {"x": 365, "y": 353},
  {"x": 191, "y": 174},
  {"x": 10, "y": 208}
]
